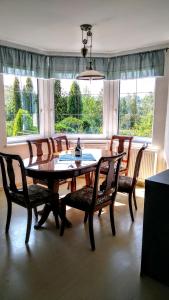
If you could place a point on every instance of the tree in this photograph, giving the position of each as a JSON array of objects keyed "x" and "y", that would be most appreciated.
[
  {"x": 28, "y": 95},
  {"x": 23, "y": 118},
  {"x": 16, "y": 96},
  {"x": 92, "y": 113},
  {"x": 9, "y": 103},
  {"x": 133, "y": 111},
  {"x": 14, "y": 100},
  {"x": 144, "y": 126},
  {"x": 60, "y": 102},
  {"x": 75, "y": 101}
]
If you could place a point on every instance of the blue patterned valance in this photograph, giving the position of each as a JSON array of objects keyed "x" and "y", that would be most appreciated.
[{"x": 21, "y": 62}]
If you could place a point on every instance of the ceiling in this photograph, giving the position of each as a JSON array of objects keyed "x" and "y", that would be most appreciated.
[{"x": 54, "y": 26}]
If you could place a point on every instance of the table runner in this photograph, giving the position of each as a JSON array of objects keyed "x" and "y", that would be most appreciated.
[{"x": 71, "y": 157}]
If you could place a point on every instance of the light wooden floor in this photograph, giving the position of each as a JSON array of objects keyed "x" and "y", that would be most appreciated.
[{"x": 64, "y": 268}]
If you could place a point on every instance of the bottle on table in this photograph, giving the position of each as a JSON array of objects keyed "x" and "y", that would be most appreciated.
[{"x": 78, "y": 150}]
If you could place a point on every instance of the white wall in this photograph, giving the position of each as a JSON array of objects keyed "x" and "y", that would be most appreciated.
[{"x": 160, "y": 112}]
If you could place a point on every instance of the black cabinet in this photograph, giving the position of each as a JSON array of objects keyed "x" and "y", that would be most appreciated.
[{"x": 155, "y": 244}]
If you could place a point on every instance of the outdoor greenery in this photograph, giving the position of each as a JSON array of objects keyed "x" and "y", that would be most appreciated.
[
  {"x": 76, "y": 112},
  {"x": 21, "y": 105},
  {"x": 60, "y": 102},
  {"x": 136, "y": 115}
]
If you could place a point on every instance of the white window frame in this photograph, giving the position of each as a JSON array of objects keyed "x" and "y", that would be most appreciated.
[{"x": 46, "y": 114}]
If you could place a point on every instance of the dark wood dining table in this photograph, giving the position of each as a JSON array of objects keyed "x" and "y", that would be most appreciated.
[{"x": 55, "y": 167}]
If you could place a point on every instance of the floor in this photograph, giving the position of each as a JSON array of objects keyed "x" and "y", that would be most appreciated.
[{"x": 64, "y": 268}]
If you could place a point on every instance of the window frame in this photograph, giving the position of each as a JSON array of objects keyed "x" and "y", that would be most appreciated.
[{"x": 46, "y": 114}]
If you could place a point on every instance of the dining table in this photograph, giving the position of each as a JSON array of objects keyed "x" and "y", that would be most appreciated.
[{"x": 62, "y": 165}]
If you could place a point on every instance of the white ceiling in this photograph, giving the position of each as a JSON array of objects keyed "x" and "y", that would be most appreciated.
[{"x": 54, "y": 26}]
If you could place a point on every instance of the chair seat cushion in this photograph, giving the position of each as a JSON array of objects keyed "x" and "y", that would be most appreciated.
[
  {"x": 37, "y": 195},
  {"x": 82, "y": 198},
  {"x": 124, "y": 184}
]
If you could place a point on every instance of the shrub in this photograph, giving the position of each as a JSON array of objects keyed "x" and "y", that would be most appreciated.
[
  {"x": 22, "y": 119},
  {"x": 69, "y": 124}
]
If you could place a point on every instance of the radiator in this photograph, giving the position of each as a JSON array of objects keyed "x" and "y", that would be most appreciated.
[{"x": 148, "y": 164}]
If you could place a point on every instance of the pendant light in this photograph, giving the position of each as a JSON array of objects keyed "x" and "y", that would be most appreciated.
[{"x": 90, "y": 73}]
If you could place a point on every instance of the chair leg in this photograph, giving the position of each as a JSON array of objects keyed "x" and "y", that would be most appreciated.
[
  {"x": 134, "y": 198},
  {"x": 36, "y": 214},
  {"x": 63, "y": 218},
  {"x": 8, "y": 219},
  {"x": 111, "y": 209},
  {"x": 29, "y": 223},
  {"x": 91, "y": 232},
  {"x": 130, "y": 206},
  {"x": 85, "y": 217},
  {"x": 99, "y": 213}
]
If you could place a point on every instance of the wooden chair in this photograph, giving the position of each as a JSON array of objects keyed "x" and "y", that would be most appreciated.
[
  {"x": 28, "y": 197},
  {"x": 128, "y": 184},
  {"x": 120, "y": 144},
  {"x": 60, "y": 143},
  {"x": 39, "y": 147},
  {"x": 90, "y": 199}
]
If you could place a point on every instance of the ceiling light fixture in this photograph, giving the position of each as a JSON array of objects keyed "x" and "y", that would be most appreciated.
[{"x": 89, "y": 74}]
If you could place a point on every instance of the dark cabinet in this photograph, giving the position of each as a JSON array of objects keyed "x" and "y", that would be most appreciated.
[{"x": 155, "y": 243}]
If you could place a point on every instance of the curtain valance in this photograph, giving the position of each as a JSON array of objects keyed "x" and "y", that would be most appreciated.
[
  {"x": 145, "y": 64},
  {"x": 25, "y": 63}
]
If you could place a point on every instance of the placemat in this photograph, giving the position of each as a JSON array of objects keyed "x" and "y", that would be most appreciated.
[{"x": 71, "y": 157}]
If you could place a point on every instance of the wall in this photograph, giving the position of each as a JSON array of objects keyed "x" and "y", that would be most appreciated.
[{"x": 160, "y": 114}]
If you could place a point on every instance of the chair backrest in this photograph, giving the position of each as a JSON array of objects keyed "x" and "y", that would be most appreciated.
[
  {"x": 8, "y": 164},
  {"x": 59, "y": 143},
  {"x": 120, "y": 143},
  {"x": 138, "y": 163},
  {"x": 111, "y": 182},
  {"x": 37, "y": 146}
]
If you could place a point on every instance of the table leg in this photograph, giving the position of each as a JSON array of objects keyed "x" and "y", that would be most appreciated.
[{"x": 55, "y": 208}]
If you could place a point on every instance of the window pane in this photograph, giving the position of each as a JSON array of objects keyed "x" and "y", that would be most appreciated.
[
  {"x": 21, "y": 105},
  {"x": 78, "y": 106},
  {"x": 128, "y": 86},
  {"x": 136, "y": 109}
]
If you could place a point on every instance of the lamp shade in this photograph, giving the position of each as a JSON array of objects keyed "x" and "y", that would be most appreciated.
[{"x": 90, "y": 75}]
